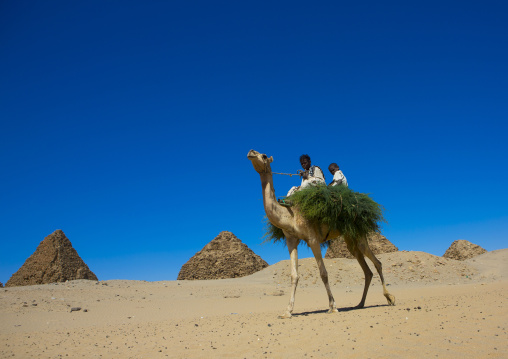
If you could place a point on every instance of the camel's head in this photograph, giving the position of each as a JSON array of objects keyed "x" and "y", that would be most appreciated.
[{"x": 260, "y": 161}]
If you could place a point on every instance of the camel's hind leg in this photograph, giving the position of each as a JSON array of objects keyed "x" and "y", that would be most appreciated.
[
  {"x": 379, "y": 267},
  {"x": 292, "y": 244},
  {"x": 367, "y": 273},
  {"x": 316, "y": 249}
]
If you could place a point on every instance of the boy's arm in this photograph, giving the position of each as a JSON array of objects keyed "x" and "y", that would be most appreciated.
[{"x": 303, "y": 174}]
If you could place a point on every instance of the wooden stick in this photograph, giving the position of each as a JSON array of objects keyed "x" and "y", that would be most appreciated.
[{"x": 287, "y": 174}]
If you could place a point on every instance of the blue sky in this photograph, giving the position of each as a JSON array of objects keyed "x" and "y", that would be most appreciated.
[{"x": 127, "y": 124}]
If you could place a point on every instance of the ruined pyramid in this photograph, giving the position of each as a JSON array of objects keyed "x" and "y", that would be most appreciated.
[
  {"x": 54, "y": 260},
  {"x": 224, "y": 257},
  {"x": 377, "y": 243},
  {"x": 462, "y": 250}
]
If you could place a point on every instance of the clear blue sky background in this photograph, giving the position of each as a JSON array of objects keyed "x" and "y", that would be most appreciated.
[{"x": 127, "y": 124}]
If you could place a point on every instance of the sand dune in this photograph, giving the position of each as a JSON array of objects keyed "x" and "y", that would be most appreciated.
[{"x": 445, "y": 308}]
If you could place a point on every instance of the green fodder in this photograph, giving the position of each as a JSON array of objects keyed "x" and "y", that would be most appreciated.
[
  {"x": 353, "y": 214},
  {"x": 272, "y": 233}
]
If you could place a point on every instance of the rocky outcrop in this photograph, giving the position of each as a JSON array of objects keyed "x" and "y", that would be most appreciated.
[
  {"x": 377, "y": 243},
  {"x": 54, "y": 260},
  {"x": 462, "y": 250},
  {"x": 224, "y": 257}
]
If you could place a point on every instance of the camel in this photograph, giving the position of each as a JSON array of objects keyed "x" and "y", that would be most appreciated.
[{"x": 296, "y": 228}]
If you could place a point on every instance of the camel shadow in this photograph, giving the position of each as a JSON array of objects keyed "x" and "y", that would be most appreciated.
[{"x": 345, "y": 309}]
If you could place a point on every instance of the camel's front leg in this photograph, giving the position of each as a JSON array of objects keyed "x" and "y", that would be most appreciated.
[
  {"x": 316, "y": 249},
  {"x": 292, "y": 244}
]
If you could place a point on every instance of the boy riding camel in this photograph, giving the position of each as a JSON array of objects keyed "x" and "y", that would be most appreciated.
[
  {"x": 338, "y": 176},
  {"x": 312, "y": 175}
]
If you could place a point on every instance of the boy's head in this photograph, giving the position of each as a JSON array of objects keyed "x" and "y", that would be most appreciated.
[
  {"x": 333, "y": 168},
  {"x": 305, "y": 162}
]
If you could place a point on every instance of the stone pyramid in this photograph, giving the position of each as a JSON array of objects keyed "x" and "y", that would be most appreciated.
[
  {"x": 377, "y": 243},
  {"x": 54, "y": 260},
  {"x": 224, "y": 257},
  {"x": 462, "y": 250}
]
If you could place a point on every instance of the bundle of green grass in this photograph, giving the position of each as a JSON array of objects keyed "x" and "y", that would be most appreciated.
[{"x": 351, "y": 213}]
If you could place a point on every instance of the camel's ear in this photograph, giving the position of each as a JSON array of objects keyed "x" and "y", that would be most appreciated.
[{"x": 270, "y": 160}]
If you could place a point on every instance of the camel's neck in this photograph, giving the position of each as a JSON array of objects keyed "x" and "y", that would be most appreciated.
[{"x": 277, "y": 214}]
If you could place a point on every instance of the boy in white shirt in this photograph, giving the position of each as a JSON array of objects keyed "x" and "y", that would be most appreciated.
[
  {"x": 338, "y": 176},
  {"x": 311, "y": 176}
]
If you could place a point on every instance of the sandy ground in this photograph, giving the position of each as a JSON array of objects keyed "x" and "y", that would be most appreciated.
[{"x": 445, "y": 309}]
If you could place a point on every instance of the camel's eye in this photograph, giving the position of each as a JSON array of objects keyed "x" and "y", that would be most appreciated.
[{"x": 265, "y": 156}]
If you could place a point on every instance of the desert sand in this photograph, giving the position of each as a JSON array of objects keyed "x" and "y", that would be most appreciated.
[{"x": 445, "y": 308}]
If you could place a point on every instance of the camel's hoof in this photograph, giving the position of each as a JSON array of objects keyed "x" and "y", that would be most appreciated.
[
  {"x": 333, "y": 310},
  {"x": 391, "y": 299},
  {"x": 286, "y": 315}
]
